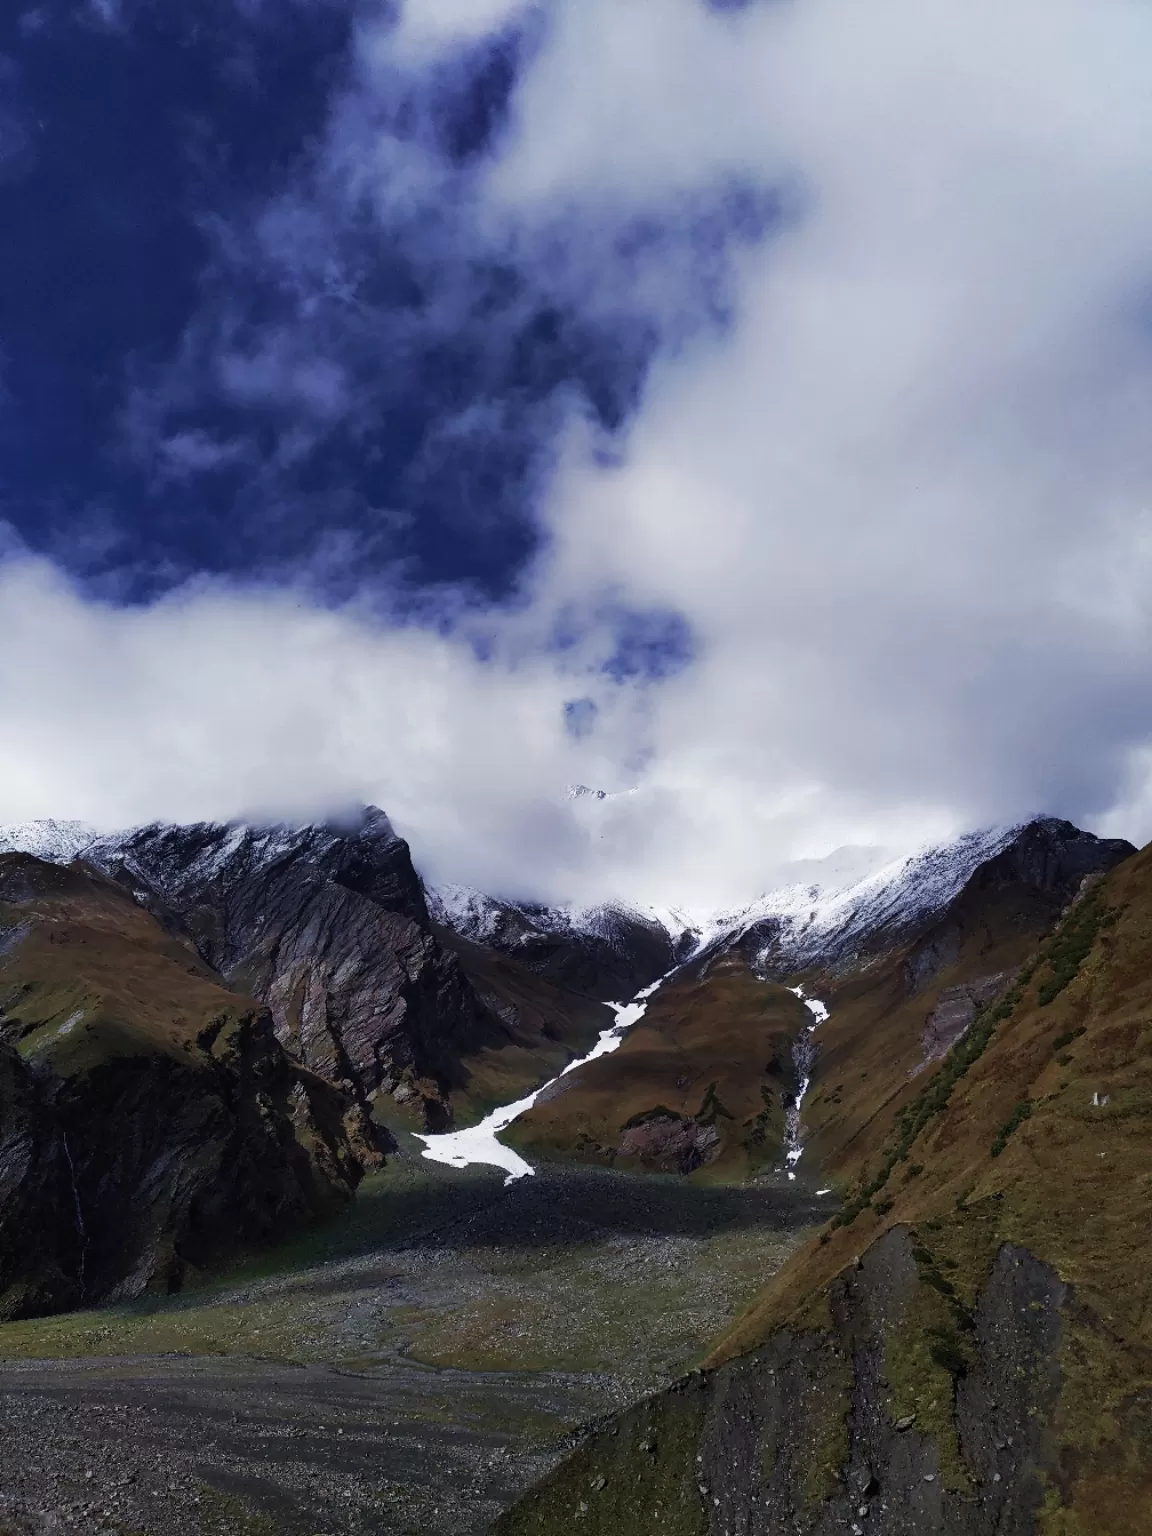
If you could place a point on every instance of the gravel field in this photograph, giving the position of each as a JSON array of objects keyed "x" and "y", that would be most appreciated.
[{"x": 408, "y": 1370}]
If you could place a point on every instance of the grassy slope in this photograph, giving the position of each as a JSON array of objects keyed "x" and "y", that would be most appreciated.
[
  {"x": 871, "y": 1059},
  {"x": 717, "y": 1048},
  {"x": 546, "y": 1026},
  {"x": 1034, "y": 1132},
  {"x": 87, "y": 975},
  {"x": 1066, "y": 1177}
]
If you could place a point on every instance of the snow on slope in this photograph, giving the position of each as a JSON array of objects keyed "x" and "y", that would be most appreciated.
[
  {"x": 810, "y": 923},
  {"x": 801, "y": 922},
  {"x": 54, "y": 841}
]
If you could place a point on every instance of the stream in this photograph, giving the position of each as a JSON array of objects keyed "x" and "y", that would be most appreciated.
[{"x": 804, "y": 1057}]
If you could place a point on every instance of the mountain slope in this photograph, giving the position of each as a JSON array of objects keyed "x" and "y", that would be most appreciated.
[
  {"x": 150, "y": 1123},
  {"x": 329, "y": 926},
  {"x": 608, "y": 952},
  {"x": 703, "y": 1082},
  {"x": 708, "y": 1079},
  {"x": 968, "y": 1346},
  {"x": 912, "y": 987}
]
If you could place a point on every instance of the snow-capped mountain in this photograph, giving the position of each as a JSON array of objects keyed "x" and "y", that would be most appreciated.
[
  {"x": 839, "y": 905},
  {"x": 792, "y": 926},
  {"x": 54, "y": 841},
  {"x": 806, "y": 924}
]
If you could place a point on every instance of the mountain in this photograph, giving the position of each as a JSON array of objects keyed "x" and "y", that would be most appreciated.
[
  {"x": 966, "y": 1346},
  {"x": 608, "y": 951},
  {"x": 328, "y": 925},
  {"x": 701, "y": 1085},
  {"x": 901, "y": 960},
  {"x": 56, "y": 841},
  {"x": 439, "y": 1005},
  {"x": 150, "y": 1122}
]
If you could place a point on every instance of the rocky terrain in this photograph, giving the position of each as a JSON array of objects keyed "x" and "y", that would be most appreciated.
[{"x": 409, "y": 1368}]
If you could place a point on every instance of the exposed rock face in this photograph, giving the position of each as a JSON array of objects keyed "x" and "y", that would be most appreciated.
[
  {"x": 806, "y": 1435},
  {"x": 669, "y": 1143},
  {"x": 150, "y": 1122},
  {"x": 328, "y": 926},
  {"x": 955, "y": 1009}
]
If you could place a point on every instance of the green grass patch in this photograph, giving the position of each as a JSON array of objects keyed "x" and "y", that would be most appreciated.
[{"x": 1022, "y": 1112}]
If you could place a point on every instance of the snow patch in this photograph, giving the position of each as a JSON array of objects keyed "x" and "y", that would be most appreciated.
[{"x": 480, "y": 1144}]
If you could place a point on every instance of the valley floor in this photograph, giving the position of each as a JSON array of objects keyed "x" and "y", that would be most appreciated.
[{"x": 409, "y": 1369}]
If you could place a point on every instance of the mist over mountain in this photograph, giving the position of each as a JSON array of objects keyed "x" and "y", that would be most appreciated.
[{"x": 447, "y": 440}]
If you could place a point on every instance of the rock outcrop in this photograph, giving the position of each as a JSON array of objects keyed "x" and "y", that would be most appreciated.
[
  {"x": 150, "y": 1122},
  {"x": 807, "y": 1433}
]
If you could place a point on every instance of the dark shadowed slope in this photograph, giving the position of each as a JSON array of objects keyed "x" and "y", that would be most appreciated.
[{"x": 150, "y": 1122}]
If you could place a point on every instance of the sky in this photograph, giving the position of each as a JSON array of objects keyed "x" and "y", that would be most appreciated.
[{"x": 738, "y": 407}]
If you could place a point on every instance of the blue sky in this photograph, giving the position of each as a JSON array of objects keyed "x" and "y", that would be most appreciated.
[
  {"x": 743, "y": 408},
  {"x": 220, "y": 357}
]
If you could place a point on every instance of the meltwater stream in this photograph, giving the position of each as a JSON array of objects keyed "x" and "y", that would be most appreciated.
[
  {"x": 804, "y": 1055},
  {"x": 479, "y": 1143}
]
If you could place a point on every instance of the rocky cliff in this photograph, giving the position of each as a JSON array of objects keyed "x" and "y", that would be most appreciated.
[
  {"x": 150, "y": 1122},
  {"x": 328, "y": 925}
]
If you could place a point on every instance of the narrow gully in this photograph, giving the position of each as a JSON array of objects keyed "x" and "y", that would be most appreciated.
[{"x": 804, "y": 1057}]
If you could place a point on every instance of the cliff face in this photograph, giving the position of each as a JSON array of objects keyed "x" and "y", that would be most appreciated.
[
  {"x": 150, "y": 1122},
  {"x": 967, "y": 1346},
  {"x": 805, "y": 1435},
  {"x": 329, "y": 927}
]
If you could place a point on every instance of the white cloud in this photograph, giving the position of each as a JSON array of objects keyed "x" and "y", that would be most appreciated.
[
  {"x": 427, "y": 27},
  {"x": 903, "y": 504}
]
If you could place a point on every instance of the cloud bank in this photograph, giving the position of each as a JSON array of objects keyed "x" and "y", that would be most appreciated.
[{"x": 887, "y": 518}]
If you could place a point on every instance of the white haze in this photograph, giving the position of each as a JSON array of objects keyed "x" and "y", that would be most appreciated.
[{"x": 904, "y": 504}]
